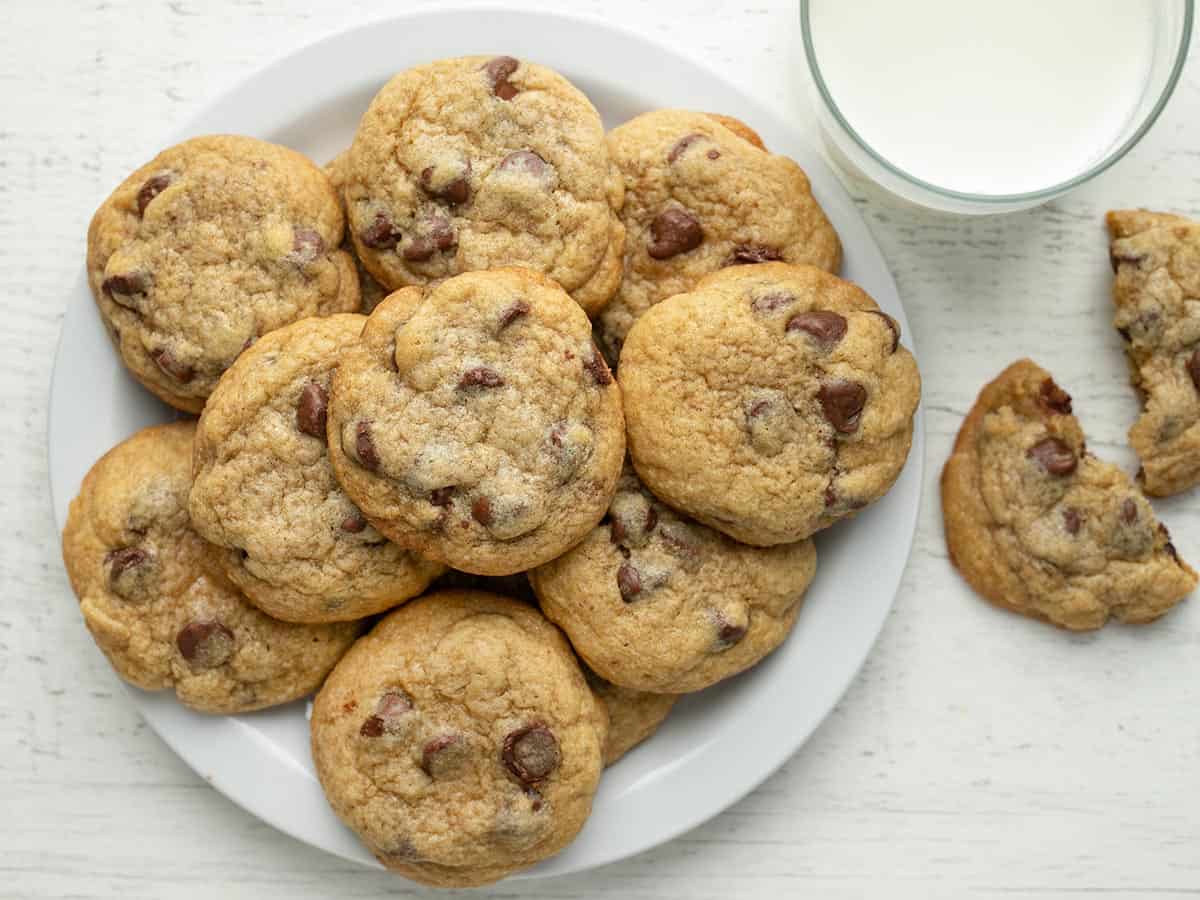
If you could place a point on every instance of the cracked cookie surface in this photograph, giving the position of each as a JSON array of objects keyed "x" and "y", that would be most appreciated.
[
  {"x": 482, "y": 162},
  {"x": 1156, "y": 290},
  {"x": 459, "y": 739},
  {"x": 213, "y": 243},
  {"x": 160, "y": 616},
  {"x": 769, "y": 402},
  {"x": 476, "y": 423},
  {"x": 653, "y": 601},
  {"x": 1038, "y": 525},
  {"x": 702, "y": 193},
  {"x": 264, "y": 492}
]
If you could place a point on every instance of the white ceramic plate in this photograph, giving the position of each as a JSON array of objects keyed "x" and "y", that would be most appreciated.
[{"x": 717, "y": 745}]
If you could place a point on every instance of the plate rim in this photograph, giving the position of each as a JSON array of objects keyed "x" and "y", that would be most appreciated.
[{"x": 914, "y": 468}]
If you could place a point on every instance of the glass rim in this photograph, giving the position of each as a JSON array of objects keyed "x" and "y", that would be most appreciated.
[{"x": 1109, "y": 160}]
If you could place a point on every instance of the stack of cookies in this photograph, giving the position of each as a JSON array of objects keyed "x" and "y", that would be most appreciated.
[{"x": 557, "y": 552}]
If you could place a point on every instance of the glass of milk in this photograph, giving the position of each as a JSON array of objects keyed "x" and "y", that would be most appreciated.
[{"x": 988, "y": 106}]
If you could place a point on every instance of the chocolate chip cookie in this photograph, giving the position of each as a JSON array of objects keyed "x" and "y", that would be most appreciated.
[
  {"x": 209, "y": 246},
  {"x": 483, "y": 162},
  {"x": 633, "y": 716},
  {"x": 656, "y": 602},
  {"x": 265, "y": 495},
  {"x": 160, "y": 617},
  {"x": 1156, "y": 258},
  {"x": 1038, "y": 525},
  {"x": 477, "y": 424},
  {"x": 371, "y": 290},
  {"x": 769, "y": 402},
  {"x": 459, "y": 739},
  {"x": 702, "y": 193}
]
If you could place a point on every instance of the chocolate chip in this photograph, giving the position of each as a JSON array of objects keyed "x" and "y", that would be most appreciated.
[
  {"x": 598, "y": 368},
  {"x": 364, "y": 446},
  {"x": 681, "y": 543},
  {"x": 128, "y": 285},
  {"x": 629, "y": 582},
  {"x": 419, "y": 249},
  {"x": 392, "y": 705},
  {"x": 354, "y": 523},
  {"x": 1193, "y": 368},
  {"x": 514, "y": 312},
  {"x": 498, "y": 71},
  {"x": 307, "y": 245},
  {"x": 892, "y": 324},
  {"x": 453, "y": 192},
  {"x": 389, "y": 709},
  {"x": 531, "y": 753},
  {"x": 1072, "y": 519},
  {"x": 672, "y": 232},
  {"x": 842, "y": 403},
  {"x": 728, "y": 633},
  {"x": 683, "y": 143},
  {"x": 1129, "y": 511},
  {"x": 382, "y": 234},
  {"x": 151, "y": 189},
  {"x": 165, "y": 360},
  {"x": 311, "y": 411},
  {"x": 1054, "y": 398},
  {"x": 1168, "y": 546},
  {"x": 632, "y": 519},
  {"x": 524, "y": 162},
  {"x": 481, "y": 511},
  {"x": 124, "y": 559},
  {"x": 441, "y": 496},
  {"x": 439, "y": 236},
  {"x": 438, "y": 756},
  {"x": 769, "y": 303},
  {"x": 206, "y": 644},
  {"x": 480, "y": 376},
  {"x": 826, "y": 327},
  {"x": 1125, "y": 335},
  {"x": 744, "y": 254},
  {"x": 1053, "y": 455}
]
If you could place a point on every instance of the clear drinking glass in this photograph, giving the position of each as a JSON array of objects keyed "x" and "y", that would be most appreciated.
[{"x": 1170, "y": 32}]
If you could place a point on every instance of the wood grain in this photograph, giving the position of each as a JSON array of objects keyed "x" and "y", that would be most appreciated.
[{"x": 977, "y": 754}]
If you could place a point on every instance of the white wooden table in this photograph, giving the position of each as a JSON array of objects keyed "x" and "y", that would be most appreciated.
[{"x": 977, "y": 754}]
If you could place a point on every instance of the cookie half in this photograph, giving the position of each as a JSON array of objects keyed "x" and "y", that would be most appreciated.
[
  {"x": 209, "y": 246},
  {"x": 702, "y": 193},
  {"x": 476, "y": 423},
  {"x": 1038, "y": 525},
  {"x": 459, "y": 739},
  {"x": 483, "y": 162},
  {"x": 769, "y": 402},
  {"x": 1156, "y": 260},
  {"x": 163, "y": 619},
  {"x": 653, "y": 601},
  {"x": 264, "y": 492}
]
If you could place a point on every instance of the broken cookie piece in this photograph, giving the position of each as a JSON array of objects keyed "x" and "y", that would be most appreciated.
[
  {"x": 1038, "y": 525},
  {"x": 1156, "y": 261}
]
